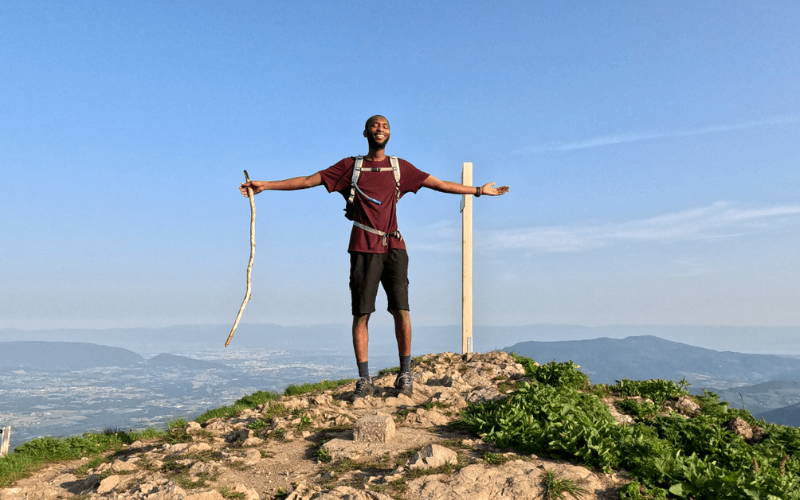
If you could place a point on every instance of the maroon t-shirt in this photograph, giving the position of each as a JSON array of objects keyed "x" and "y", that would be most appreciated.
[{"x": 380, "y": 186}]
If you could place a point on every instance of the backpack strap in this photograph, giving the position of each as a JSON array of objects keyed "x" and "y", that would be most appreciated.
[
  {"x": 396, "y": 171},
  {"x": 354, "y": 181}
]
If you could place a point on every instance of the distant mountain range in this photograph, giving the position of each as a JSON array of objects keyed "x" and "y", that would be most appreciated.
[
  {"x": 57, "y": 356},
  {"x": 190, "y": 339},
  {"x": 788, "y": 415},
  {"x": 76, "y": 356}
]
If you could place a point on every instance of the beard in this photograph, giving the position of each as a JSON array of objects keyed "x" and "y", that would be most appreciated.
[{"x": 375, "y": 145}]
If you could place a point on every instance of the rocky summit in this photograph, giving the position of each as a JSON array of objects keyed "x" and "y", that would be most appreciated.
[{"x": 321, "y": 445}]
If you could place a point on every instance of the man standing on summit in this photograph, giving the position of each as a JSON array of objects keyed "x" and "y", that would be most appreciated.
[{"x": 377, "y": 250}]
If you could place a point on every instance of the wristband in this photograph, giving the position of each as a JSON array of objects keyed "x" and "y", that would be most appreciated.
[{"x": 477, "y": 191}]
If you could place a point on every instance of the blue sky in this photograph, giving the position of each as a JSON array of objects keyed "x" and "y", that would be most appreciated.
[{"x": 652, "y": 149}]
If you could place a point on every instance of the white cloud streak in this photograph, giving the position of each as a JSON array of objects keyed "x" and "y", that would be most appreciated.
[
  {"x": 611, "y": 140},
  {"x": 720, "y": 220}
]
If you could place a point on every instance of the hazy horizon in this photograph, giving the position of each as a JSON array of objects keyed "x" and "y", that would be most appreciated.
[{"x": 745, "y": 339}]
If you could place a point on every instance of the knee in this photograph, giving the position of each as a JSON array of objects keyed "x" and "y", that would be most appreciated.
[
  {"x": 400, "y": 314},
  {"x": 360, "y": 319}
]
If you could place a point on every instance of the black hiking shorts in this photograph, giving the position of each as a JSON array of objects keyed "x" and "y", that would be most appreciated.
[{"x": 369, "y": 269}]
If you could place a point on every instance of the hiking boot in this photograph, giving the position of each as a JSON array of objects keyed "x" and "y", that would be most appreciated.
[
  {"x": 364, "y": 388},
  {"x": 404, "y": 383}
]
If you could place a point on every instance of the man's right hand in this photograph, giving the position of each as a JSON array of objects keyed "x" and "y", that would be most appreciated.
[{"x": 256, "y": 186}]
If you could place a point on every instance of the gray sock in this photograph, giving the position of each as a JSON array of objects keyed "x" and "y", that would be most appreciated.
[{"x": 363, "y": 370}]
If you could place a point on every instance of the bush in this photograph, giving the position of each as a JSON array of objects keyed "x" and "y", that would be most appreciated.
[{"x": 685, "y": 458}]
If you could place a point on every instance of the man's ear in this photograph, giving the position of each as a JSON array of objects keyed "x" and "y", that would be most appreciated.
[{"x": 365, "y": 133}]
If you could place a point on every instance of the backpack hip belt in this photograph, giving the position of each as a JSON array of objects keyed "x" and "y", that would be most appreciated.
[{"x": 384, "y": 236}]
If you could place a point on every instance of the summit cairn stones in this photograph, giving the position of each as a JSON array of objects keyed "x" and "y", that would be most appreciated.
[{"x": 374, "y": 429}]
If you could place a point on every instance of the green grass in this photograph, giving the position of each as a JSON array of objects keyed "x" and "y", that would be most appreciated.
[
  {"x": 639, "y": 411},
  {"x": 296, "y": 390},
  {"x": 657, "y": 390},
  {"x": 687, "y": 458},
  {"x": 245, "y": 403},
  {"x": 557, "y": 488},
  {"x": 35, "y": 454},
  {"x": 227, "y": 493}
]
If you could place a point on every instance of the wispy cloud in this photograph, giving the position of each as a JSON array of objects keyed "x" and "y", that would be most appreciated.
[
  {"x": 610, "y": 140},
  {"x": 720, "y": 220}
]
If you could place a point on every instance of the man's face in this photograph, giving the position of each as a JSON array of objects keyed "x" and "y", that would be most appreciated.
[{"x": 378, "y": 133}]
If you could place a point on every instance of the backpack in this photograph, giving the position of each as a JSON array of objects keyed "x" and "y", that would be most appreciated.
[{"x": 357, "y": 169}]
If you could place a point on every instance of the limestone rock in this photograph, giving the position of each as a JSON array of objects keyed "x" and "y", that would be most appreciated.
[
  {"x": 483, "y": 394},
  {"x": 124, "y": 465},
  {"x": 30, "y": 494},
  {"x": 201, "y": 468},
  {"x": 249, "y": 493},
  {"x": 432, "y": 456},
  {"x": 302, "y": 492},
  {"x": 374, "y": 429},
  {"x": 197, "y": 448},
  {"x": 758, "y": 434},
  {"x": 204, "y": 495},
  {"x": 83, "y": 486},
  {"x": 425, "y": 418},
  {"x": 193, "y": 428},
  {"x": 218, "y": 427},
  {"x": 512, "y": 481},
  {"x": 686, "y": 405},
  {"x": 108, "y": 484},
  {"x": 739, "y": 427},
  {"x": 252, "y": 456},
  {"x": 321, "y": 400}
]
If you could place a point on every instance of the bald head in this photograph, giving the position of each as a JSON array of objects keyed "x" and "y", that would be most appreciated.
[
  {"x": 377, "y": 132},
  {"x": 371, "y": 120}
]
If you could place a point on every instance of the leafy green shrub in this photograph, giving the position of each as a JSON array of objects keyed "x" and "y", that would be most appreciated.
[
  {"x": 689, "y": 458},
  {"x": 559, "y": 421},
  {"x": 637, "y": 410},
  {"x": 635, "y": 491},
  {"x": 322, "y": 454},
  {"x": 554, "y": 373},
  {"x": 657, "y": 390},
  {"x": 526, "y": 362}
]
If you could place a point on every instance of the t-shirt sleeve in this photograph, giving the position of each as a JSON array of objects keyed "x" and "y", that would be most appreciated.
[
  {"x": 338, "y": 176},
  {"x": 411, "y": 178}
]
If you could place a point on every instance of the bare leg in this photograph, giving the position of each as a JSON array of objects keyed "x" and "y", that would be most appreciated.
[
  {"x": 361, "y": 337},
  {"x": 402, "y": 331}
]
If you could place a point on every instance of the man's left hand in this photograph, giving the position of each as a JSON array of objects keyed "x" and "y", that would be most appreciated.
[{"x": 488, "y": 189}]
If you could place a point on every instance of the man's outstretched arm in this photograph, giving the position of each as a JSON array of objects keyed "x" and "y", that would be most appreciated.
[
  {"x": 285, "y": 185},
  {"x": 456, "y": 188}
]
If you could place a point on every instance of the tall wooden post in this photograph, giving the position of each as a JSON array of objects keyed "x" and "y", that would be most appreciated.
[
  {"x": 6, "y": 439},
  {"x": 466, "y": 262}
]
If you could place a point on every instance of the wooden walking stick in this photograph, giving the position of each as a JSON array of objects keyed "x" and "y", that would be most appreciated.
[{"x": 250, "y": 196}]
